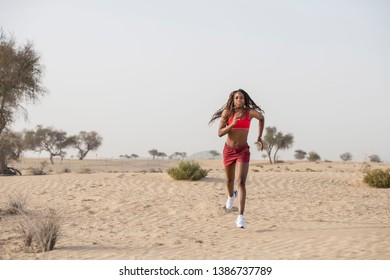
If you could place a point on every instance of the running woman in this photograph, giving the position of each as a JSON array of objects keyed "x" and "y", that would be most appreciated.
[{"x": 235, "y": 121}]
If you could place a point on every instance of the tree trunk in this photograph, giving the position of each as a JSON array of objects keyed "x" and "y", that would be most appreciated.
[
  {"x": 3, "y": 161},
  {"x": 269, "y": 156},
  {"x": 275, "y": 154},
  {"x": 3, "y": 164},
  {"x": 83, "y": 155},
  {"x": 51, "y": 159}
]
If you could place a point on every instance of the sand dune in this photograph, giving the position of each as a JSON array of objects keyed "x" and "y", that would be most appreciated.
[{"x": 295, "y": 210}]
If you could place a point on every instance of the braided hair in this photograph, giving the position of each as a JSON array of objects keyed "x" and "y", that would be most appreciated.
[{"x": 249, "y": 103}]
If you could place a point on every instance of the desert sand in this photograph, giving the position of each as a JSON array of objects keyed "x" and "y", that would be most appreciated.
[{"x": 295, "y": 210}]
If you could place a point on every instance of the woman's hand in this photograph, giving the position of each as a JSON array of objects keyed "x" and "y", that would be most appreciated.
[
  {"x": 260, "y": 143},
  {"x": 223, "y": 127},
  {"x": 236, "y": 117}
]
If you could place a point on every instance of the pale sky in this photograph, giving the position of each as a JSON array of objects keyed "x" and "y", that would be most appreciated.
[{"x": 149, "y": 74}]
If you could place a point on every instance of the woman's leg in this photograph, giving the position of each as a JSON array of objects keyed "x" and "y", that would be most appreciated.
[
  {"x": 230, "y": 173},
  {"x": 242, "y": 170}
]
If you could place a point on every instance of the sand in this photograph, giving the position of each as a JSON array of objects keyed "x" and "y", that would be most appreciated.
[{"x": 294, "y": 210}]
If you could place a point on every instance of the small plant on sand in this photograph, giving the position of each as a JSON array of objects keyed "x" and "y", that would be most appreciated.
[
  {"x": 40, "y": 170},
  {"x": 85, "y": 171},
  {"x": 365, "y": 167},
  {"x": 66, "y": 170},
  {"x": 158, "y": 170},
  {"x": 16, "y": 203},
  {"x": 378, "y": 178},
  {"x": 40, "y": 232},
  {"x": 187, "y": 170}
]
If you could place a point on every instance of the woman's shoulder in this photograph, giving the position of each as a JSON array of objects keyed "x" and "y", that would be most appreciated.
[
  {"x": 253, "y": 113},
  {"x": 225, "y": 112}
]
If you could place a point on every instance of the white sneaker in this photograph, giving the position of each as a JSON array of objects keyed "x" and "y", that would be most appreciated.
[
  {"x": 240, "y": 221},
  {"x": 230, "y": 201}
]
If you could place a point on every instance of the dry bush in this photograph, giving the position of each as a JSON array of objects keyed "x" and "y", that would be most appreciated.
[
  {"x": 40, "y": 232},
  {"x": 85, "y": 171},
  {"x": 39, "y": 170},
  {"x": 153, "y": 170},
  {"x": 66, "y": 170},
  {"x": 16, "y": 203},
  {"x": 365, "y": 167}
]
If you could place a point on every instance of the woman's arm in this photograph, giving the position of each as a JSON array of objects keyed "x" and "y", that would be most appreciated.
[
  {"x": 257, "y": 115},
  {"x": 223, "y": 128}
]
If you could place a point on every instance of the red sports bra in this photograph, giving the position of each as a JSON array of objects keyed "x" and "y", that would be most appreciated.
[{"x": 243, "y": 123}]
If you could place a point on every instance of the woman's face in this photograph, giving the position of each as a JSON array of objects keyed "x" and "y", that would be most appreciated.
[{"x": 239, "y": 100}]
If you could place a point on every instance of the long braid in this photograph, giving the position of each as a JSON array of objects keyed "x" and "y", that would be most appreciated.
[
  {"x": 249, "y": 103},
  {"x": 229, "y": 105}
]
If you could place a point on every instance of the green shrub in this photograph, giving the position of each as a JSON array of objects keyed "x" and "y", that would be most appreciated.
[
  {"x": 378, "y": 178},
  {"x": 187, "y": 170}
]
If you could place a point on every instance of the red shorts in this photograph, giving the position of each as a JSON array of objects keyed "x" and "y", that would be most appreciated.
[{"x": 235, "y": 154}]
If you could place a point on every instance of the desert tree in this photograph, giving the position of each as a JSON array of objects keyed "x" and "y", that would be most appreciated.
[
  {"x": 269, "y": 141},
  {"x": 299, "y": 154},
  {"x": 129, "y": 156},
  {"x": 11, "y": 147},
  {"x": 214, "y": 153},
  {"x": 47, "y": 139},
  {"x": 178, "y": 155},
  {"x": 153, "y": 153},
  {"x": 21, "y": 75},
  {"x": 346, "y": 156},
  {"x": 313, "y": 156},
  {"x": 85, "y": 142},
  {"x": 275, "y": 139},
  {"x": 162, "y": 155},
  {"x": 374, "y": 158},
  {"x": 175, "y": 155},
  {"x": 283, "y": 142}
]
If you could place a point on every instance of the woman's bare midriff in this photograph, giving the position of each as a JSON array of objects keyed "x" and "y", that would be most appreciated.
[{"x": 237, "y": 137}]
